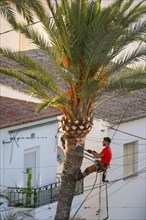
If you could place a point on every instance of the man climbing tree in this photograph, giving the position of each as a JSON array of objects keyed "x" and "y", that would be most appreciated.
[
  {"x": 83, "y": 41},
  {"x": 100, "y": 165}
]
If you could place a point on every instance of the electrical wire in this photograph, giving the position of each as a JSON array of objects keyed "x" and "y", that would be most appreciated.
[
  {"x": 111, "y": 128},
  {"x": 110, "y": 184},
  {"x": 5, "y": 32},
  {"x": 122, "y": 117},
  {"x": 133, "y": 135},
  {"x": 85, "y": 197},
  {"x": 22, "y": 168},
  {"x": 117, "y": 190},
  {"x": 111, "y": 140}
]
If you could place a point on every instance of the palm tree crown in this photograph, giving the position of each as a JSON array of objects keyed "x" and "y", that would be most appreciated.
[{"x": 85, "y": 39}]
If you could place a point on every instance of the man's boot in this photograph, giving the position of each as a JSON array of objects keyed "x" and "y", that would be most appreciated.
[{"x": 80, "y": 177}]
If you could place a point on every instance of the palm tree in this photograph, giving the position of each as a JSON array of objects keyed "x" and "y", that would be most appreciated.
[{"x": 85, "y": 39}]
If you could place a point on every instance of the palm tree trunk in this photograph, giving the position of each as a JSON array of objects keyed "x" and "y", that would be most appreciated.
[{"x": 71, "y": 167}]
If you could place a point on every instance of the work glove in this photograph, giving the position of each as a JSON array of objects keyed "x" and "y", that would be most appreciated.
[{"x": 89, "y": 151}]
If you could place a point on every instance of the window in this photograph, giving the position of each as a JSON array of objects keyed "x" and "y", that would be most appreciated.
[
  {"x": 31, "y": 160},
  {"x": 130, "y": 159}
]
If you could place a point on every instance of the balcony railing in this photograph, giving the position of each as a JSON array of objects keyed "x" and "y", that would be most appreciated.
[{"x": 37, "y": 196}]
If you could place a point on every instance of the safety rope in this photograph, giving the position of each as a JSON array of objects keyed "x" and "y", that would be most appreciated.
[
  {"x": 100, "y": 174},
  {"x": 99, "y": 200},
  {"x": 86, "y": 197},
  {"x": 106, "y": 201}
]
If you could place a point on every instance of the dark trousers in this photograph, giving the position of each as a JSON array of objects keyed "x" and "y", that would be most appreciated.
[{"x": 97, "y": 167}]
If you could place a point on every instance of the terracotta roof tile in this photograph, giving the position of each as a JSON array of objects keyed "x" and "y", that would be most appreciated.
[
  {"x": 16, "y": 112},
  {"x": 125, "y": 108},
  {"x": 37, "y": 55}
]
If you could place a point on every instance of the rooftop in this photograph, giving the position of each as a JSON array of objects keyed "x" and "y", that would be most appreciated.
[
  {"x": 16, "y": 112},
  {"x": 36, "y": 54},
  {"x": 124, "y": 108}
]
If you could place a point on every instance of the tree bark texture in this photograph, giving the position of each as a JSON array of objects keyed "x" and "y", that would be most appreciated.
[
  {"x": 75, "y": 132},
  {"x": 71, "y": 168}
]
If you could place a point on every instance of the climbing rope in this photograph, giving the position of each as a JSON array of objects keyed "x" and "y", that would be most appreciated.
[
  {"x": 99, "y": 200},
  {"x": 103, "y": 172},
  {"x": 86, "y": 197},
  {"x": 106, "y": 201}
]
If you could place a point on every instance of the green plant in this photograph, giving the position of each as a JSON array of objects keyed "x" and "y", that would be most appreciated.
[
  {"x": 29, "y": 187},
  {"x": 16, "y": 215}
]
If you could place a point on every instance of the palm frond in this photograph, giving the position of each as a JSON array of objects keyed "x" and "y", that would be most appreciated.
[
  {"x": 97, "y": 50},
  {"x": 61, "y": 102},
  {"x": 17, "y": 215},
  {"x": 126, "y": 13},
  {"x": 43, "y": 105},
  {"x": 22, "y": 7},
  {"x": 135, "y": 13},
  {"x": 35, "y": 86},
  {"x": 128, "y": 58},
  {"x": 33, "y": 69},
  {"x": 89, "y": 89},
  {"x": 134, "y": 33},
  {"x": 4, "y": 196},
  {"x": 84, "y": 39},
  {"x": 128, "y": 80}
]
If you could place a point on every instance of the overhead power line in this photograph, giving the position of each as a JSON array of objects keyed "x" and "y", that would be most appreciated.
[
  {"x": 22, "y": 168},
  {"x": 5, "y": 32},
  {"x": 110, "y": 183},
  {"x": 122, "y": 117},
  {"x": 133, "y": 135}
]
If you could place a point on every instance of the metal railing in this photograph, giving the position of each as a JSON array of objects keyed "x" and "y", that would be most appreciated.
[{"x": 37, "y": 196}]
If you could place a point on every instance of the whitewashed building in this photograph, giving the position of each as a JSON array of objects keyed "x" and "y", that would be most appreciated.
[{"x": 29, "y": 140}]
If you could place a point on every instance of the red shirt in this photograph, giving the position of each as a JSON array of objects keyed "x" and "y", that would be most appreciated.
[{"x": 107, "y": 155}]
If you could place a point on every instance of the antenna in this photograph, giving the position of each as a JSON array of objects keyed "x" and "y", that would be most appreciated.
[{"x": 60, "y": 155}]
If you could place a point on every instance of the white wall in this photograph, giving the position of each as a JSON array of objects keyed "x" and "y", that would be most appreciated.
[
  {"x": 127, "y": 197},
  {"x": 45, "y": 145},
  {"x": 15, "y": 94},
  {"x": 13, "y": 39}
]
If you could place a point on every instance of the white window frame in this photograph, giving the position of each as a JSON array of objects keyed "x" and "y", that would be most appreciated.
[{"x": 130, "y": 159}]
